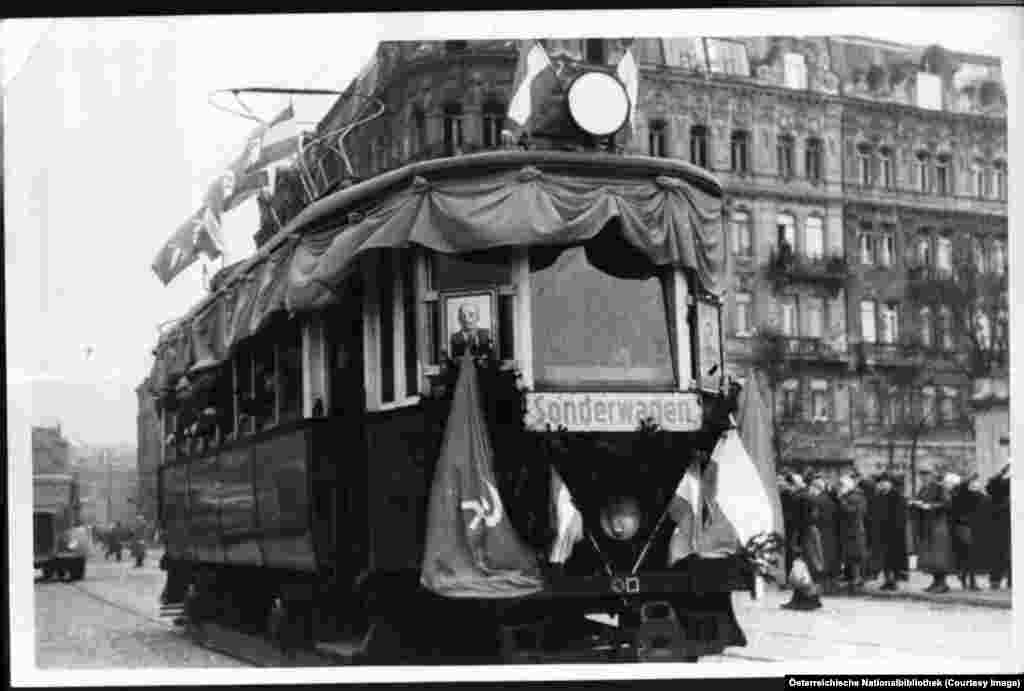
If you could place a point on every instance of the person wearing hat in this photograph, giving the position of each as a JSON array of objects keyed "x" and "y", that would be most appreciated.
[
  {"x": 935, "y": 546},
  {"x": 824, "y": 521},
  {"x": 891, "y": 524},
  {"x": 853, "y": 537}
]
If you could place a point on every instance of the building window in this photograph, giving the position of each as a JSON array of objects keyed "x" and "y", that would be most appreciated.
[
  {"x": 925, "y": 327},
  {"x": 785, "y": 226},
  {"x": 886, "y": 248},
  {"x": 885, "y": 167},
  {"x": 795, "y": 71},
  {"x": 978, "y": 255},
  {"x": 946, "y": 327},
  {"x": 784, "y": 153},
  {"x": 890, "y": 323},
  {"x": 928, "y": 405},
  {"x": 595, "y": 53},
  {"x": 864, "y": 165},
  {"x": 948, "y": 407},
  {"x": 788, "y": 316},
  {"x": 452, "y": 129},
  {"x": 866, "y": 242},
  {"x": 814, "y": 238},
  {"x": 790, "y": 399},
  {"x": 999, "y": 172},
  {"x": 744, "y": 317},
  {"x": 493, "y": 123},
  {"x": 923, "y": 251},
  {"x": 894, "y": 407},
  {"x": 813, "y": 159},
  {"x": 983, "y": 330},
  {"x": 728, "y": 57},
  {"x": 699, "y": 146},
  {"x": 871, "y": 403},
  {"x": 997, "y": 257},
  {"x": 922, "y": 167},
  {"x": 821, "y": 411},
  {"x": 943, "y": 180},
  {"x": 740, "y": 234},
  {"x": 814, "y": 317},
  {"x": 867, "y": 321},
  {"x": 978, "y": 179},
  {"x": 740, "y": 147},
  {"x": 944, "y": 254},
  {"x": 657, "y": 141},
  {"x": 929, "y": 91}
]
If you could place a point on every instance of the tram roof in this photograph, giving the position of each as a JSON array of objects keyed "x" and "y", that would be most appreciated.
[{"x": 331, "y": 215}]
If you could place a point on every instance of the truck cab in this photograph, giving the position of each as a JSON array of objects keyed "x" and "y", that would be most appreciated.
[{"x": 60, "y": 545}]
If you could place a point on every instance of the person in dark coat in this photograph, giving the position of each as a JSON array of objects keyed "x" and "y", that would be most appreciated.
[
  {"x": 873, "y": 562},
  {"x": 968, "y": 507},
  {"x": 891, "y": 522},
  {"x": 999, "y": 529},
  {"x": 935, "y": 547},
  {"x": 899, "y": 486},
  {"x": 824, "y": 518},
  {"x": 786, "y": 499},
  {"x": 853, "y": 538}
]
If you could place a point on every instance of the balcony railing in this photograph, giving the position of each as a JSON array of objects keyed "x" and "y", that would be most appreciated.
[
  {"x": 922, "y": 274},
  {"x": 812, "y": 349},
  {"x": 891, "y": 354},
  {"x": 786, "y": 267}
]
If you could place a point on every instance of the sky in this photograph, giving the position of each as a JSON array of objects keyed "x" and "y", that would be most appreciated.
[{"x": 110, "y": 143}]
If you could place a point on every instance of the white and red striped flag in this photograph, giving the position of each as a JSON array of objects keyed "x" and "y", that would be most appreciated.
[
  {"x": 534, "y": 81},
  {"x": 568, "y": 521},
  {"x": 629, "y": 74},
  {"x": 685, "y": 509},
  {"x": 279, "y": 140}
]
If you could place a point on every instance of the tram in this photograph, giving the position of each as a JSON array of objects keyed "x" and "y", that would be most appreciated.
[{"x": 307, "y": 400}]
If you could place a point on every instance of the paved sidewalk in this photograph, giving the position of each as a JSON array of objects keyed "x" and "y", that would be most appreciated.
[{"x": 914, "y": 589}]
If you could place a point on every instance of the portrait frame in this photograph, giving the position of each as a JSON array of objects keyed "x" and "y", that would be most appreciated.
[
  {"x": 486, "y": 303},
  {"x": 709, "y": 343}
]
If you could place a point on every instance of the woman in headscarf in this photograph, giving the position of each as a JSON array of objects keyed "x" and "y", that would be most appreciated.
[{"x": 935, "y": 546}]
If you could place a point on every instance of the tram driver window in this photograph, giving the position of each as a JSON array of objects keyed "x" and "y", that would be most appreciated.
[{"x": 593, "y": 330}]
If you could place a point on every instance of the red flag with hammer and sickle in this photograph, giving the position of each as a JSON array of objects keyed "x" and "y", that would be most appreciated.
[{"x": 471, "y": 549}]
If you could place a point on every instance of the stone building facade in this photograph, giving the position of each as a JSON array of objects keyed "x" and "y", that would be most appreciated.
[
  {"x": 51, "y": 452},
  {"x": 875, "y": 163}
]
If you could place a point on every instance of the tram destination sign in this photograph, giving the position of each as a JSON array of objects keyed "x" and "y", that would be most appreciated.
[{"x": 613, "y": 412}]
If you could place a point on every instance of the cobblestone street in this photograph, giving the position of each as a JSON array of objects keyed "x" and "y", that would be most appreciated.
[
  {"x": 115, "y": 624},
  {"x": 110, "y": 620}
]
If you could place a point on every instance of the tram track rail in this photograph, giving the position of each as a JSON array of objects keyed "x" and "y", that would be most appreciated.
[{"x": 257, "y": 652}]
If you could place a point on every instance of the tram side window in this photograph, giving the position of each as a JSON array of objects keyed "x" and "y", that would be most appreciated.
[
  {"x": 244, "y": 391},
  {"x": 265, "y": 384},
  {"x": 289, "y": 366}
]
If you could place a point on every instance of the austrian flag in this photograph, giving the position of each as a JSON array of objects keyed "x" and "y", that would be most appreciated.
[{"x": 535, "y": 79}]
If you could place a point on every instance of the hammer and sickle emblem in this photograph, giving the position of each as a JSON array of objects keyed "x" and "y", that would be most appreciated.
[{"x": 488, "y": 511}]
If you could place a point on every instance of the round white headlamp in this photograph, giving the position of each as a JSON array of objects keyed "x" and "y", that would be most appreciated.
[{"x": 598, "y": 103}]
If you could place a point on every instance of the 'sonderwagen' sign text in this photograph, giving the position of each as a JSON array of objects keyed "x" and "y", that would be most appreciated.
[{"x": 612, "y": 412}]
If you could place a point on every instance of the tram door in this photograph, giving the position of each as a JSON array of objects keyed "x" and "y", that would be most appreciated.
[{"x": 347, "y": 402}]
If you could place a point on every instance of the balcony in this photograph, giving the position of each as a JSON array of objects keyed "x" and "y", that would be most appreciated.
[
  {"x": 889, "y": 355},
  {"x": 812, "y": 350},
  {"x": 928, "y": 274},
  {"x": 786, "y": 267}
]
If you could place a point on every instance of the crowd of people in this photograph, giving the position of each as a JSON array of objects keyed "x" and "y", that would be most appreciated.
[{"x": 842, "y": 535}]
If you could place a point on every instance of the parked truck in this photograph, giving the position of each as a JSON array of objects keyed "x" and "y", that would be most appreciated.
[{"x": 60, "y": 542}]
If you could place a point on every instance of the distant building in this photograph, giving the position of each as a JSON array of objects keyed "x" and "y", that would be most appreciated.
[
  {"x": 149, "y": 449},
  {"x": 50, "y": 451}
]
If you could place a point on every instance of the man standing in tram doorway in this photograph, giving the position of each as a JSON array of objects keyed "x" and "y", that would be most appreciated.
[{"x": 469, "y": 334}]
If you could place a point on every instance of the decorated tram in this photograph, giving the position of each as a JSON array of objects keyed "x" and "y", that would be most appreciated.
[{"x": 465, "y": 409}]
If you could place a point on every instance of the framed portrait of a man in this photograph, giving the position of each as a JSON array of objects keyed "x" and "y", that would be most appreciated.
[{"x": 469, "y": 323}]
